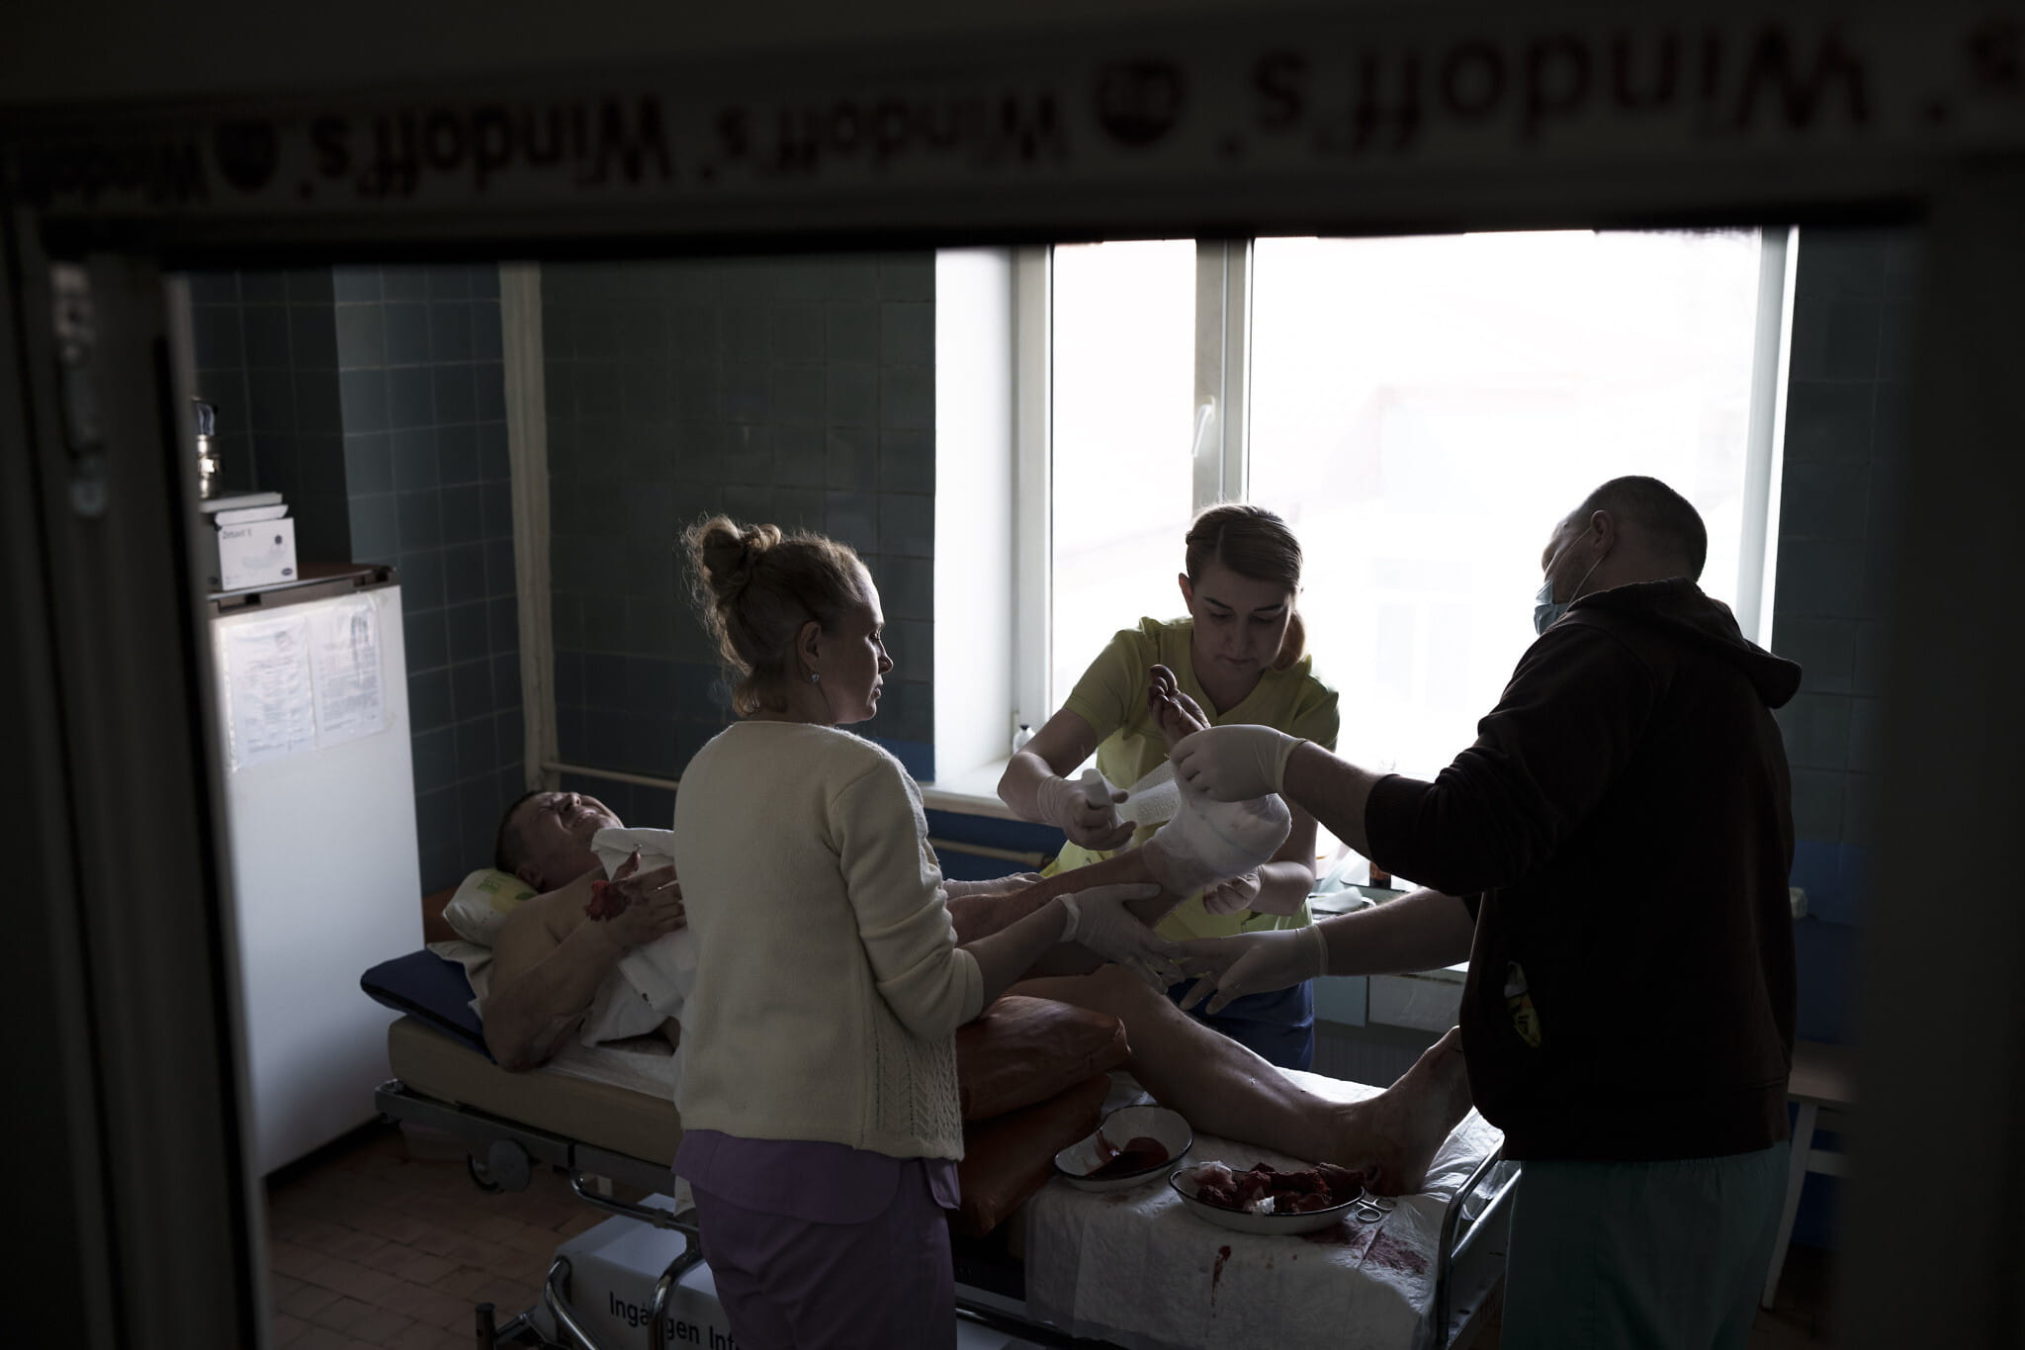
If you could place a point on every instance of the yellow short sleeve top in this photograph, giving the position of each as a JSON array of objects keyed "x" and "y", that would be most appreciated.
[{"x": 1111, "y": 697}]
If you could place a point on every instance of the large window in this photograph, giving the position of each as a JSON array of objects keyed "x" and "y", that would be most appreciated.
[{"x": 1422, "y": 411}]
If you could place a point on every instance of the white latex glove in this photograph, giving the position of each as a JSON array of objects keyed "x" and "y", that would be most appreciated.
[
  {"x": 1252, "y": 963},
  {"x": 1229, "y": 897},
  {"x": 1099, "y": 921},
  {"x": 1066, "y": 805},
  {"x": 1233, "y": 763}
]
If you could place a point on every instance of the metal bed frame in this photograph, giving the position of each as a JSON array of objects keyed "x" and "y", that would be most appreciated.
[{"x": 503, "y": 1154}]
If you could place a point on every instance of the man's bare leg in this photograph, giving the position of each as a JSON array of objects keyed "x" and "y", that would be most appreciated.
[
  {"x": 1225, "y": 1089},
  {"x": 1416, "y": 1113}
]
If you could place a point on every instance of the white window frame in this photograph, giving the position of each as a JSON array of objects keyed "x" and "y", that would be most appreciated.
[
  {"x": 1765, "y": 453},
  {"x": 1223, "y": 374},
  {"x": 1033, "y": 488},
  {"x": 1223, "y": 312}
]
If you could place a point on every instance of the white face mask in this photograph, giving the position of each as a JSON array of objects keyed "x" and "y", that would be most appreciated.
[{"x": 1546, "y": 609}]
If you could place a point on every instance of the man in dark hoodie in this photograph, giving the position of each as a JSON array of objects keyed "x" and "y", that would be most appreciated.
[{"x": 1611, "y": 856}]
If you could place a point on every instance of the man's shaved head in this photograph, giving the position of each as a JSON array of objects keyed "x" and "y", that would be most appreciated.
[
  {"x": 545, "y": 837},
  {"x": 1669, "y": 521}
]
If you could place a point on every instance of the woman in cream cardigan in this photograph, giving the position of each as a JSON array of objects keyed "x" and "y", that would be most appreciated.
[{"x": 819, "y": 1097}]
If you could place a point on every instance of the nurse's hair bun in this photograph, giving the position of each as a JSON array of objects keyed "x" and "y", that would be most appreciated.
[
  {"x": 724, "y": 553},
  {"x": 755, "y": 587}
]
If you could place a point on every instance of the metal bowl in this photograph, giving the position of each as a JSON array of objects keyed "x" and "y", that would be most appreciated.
[
  {"x": 1078, "y": 1160},
  {"x": 1364, "y": 1207}
]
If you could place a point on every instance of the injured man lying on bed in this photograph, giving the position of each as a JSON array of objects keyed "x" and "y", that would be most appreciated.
[{"x": 597, "y": 954}]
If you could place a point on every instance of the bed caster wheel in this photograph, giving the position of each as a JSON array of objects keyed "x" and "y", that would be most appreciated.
[{"x": 505, "y": 1168}]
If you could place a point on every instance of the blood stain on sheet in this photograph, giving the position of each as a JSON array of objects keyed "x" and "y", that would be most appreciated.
[
  {"x": 1222, "y": 1255},
  {"x": 1395, "y": 1256}
]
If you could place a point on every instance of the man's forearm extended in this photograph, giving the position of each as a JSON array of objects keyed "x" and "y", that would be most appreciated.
[
  {"x": 1332, "y": 790},
  {"x": 1422, "y": 930},
  {"x": 527, "y": 1013},
  {"x": 1283, "y": 885}
]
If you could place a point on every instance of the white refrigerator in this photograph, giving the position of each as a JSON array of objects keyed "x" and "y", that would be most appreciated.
[{"x": 320, "y": 811}]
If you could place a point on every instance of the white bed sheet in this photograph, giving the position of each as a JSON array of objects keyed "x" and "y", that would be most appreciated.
[
  {"x": 643, "y": 1063},
  {"x": 639, "y": 1064},
  {"x": 1136, "y": 1268}
]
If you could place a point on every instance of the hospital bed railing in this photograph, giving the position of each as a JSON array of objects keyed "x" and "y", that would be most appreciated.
[
  {"x": 1469, "y": 1261},
  {"x": 1470, "y": 1258}
]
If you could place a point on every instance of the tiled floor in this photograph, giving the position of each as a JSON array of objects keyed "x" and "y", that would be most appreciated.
[{"x": 375, "y": 1243}]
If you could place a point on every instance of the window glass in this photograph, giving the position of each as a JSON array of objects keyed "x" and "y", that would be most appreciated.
[
  {"x": 1425, "y": 410},
  {"x": 1124, "y": 380}
]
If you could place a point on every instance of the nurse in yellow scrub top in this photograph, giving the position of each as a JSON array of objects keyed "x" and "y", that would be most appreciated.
[{"x": 1239, "y": 656}]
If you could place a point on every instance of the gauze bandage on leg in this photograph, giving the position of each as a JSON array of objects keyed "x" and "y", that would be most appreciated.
[
  {"x": 1210, "y": 841},
  {"x": 1153, "y": 799}
]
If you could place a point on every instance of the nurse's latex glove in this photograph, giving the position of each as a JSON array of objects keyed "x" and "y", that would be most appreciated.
[
  {"x": 1093, "y": 825},
  {"x": 1233, "y": 763},
  {"x": 1252, "y": 963},
  {"x": 1229, "y": 897},
  {"x": 1099, "y": 921}
]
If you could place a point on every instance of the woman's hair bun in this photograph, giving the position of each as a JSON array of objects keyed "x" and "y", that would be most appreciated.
[{"x": 724, "y": 553}]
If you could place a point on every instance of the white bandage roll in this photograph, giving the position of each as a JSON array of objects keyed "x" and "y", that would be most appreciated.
[{"x": 1096, "y": 787}]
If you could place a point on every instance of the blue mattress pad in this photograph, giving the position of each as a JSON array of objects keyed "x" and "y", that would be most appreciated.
[{"x": 425, "y": 986}]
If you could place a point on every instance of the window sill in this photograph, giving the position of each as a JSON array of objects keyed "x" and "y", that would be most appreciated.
[{"x": 969, "y": 794}]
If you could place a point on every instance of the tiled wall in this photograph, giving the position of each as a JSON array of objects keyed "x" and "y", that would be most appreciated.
[
  {"x": 373, "y": 399},
  {"x": 218, "y": 328},
  {"x": 426, "y": 477},
  {"x": 266, "y": 354},
  {"x": 798, "y": 391},
  {"x": 1846, "y": 452},
  {"x": 1845, "y": 458}
]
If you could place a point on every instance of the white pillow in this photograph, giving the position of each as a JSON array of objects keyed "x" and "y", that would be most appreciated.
[{"x": 483, "y": 903}]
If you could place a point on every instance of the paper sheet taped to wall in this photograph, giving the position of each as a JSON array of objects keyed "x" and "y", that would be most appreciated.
[
  {"x": 344, "y": 638},
  {"x": 268, "y": 689}
]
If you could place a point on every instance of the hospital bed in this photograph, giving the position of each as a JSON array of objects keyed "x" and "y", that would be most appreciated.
[{"x": 1069, "y": 1268}]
